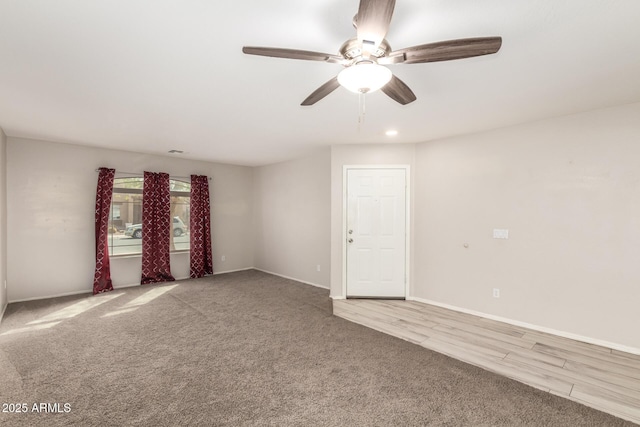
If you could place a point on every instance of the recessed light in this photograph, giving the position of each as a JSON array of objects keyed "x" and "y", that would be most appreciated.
[{"x": 391, "y": 133}]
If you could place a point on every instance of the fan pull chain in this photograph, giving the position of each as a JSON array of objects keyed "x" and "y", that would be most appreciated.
[{"x": 362, "y": 109}]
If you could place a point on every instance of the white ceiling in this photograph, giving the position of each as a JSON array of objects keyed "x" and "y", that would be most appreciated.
[{"x": 156, "y": 75}]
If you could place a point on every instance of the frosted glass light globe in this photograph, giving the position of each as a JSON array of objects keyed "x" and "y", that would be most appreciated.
[{"x": 364, "y": 77}]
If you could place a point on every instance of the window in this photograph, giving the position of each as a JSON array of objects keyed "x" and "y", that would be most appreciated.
[{"x": 125, "y": 217}]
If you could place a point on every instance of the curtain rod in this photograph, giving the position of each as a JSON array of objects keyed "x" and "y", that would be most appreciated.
[{"x": 142, "y": 174}]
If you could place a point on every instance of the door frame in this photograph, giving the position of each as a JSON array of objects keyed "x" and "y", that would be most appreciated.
[{"x": 407, "y": 225}]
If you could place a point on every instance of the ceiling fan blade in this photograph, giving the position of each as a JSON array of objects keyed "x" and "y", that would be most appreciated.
[
  {"x": 321, "y": 92},
  {"x": 293, "y": 54},
  {"x": 373, "y": 19},
  {"x": 397, "y": 90},
  {"x": 450, "y": 49}
]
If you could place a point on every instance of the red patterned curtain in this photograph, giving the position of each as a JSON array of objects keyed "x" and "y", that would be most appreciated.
[
  {"x": 201, "y": 260},
  {"x": 156, "y": 228},
  {"x": 102, "y": 275}
]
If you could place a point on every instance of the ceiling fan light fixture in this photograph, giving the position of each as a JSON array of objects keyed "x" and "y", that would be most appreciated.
[
  {"x": 365, "y": 55},
  {"x": 364, "y": 77}
]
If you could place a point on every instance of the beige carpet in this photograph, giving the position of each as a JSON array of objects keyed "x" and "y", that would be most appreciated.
[{"x": 244, "y": 348}]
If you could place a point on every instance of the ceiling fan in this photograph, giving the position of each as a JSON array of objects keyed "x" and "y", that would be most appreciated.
[{"x": 366, "y": 55}]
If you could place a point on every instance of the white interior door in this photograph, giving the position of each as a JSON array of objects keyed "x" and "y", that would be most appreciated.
[{"x": 376, "y": 233}]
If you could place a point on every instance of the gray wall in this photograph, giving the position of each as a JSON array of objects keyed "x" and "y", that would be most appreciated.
[
  {"x": 568, "y": 190},
  {"x": 3, "y": 221},
  {"x": 292, "y": 218},
  {"x": 51, "y": 200}
]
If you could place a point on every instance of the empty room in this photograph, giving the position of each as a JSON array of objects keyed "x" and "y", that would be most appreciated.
[{"x": 336, "y": 213}]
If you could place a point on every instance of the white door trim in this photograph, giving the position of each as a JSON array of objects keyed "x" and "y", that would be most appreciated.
[{"x": 407, "y": 169}]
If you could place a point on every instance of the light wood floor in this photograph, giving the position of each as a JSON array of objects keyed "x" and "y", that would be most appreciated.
[{"x": 605, "y": 379}]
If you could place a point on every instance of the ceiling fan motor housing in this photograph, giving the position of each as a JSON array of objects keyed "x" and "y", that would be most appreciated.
[{"x": 353, "y": 49}]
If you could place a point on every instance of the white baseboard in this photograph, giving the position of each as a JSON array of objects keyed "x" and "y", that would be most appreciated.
[
  {"x": 291, "y": 278},
  {"x": 125, "y": 286},
  {"x": 87, "y": 291},
  {"x": 131, "y": 285},
  {"x": 538, "y": 328},
  {"x": 64, "y": 294},
  {"x": 215, "y": 273}
]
